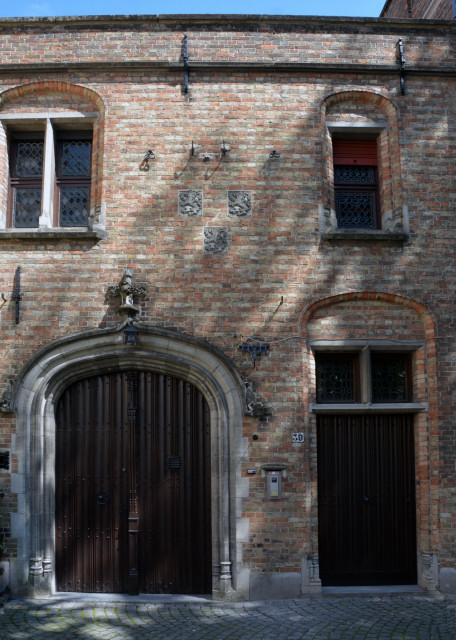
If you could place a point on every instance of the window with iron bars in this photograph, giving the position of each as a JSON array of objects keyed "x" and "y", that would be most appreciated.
[{"x": 356, "y": 184}]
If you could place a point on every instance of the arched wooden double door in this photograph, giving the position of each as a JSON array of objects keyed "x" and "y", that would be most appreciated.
[{"x": 133, "y": 486}]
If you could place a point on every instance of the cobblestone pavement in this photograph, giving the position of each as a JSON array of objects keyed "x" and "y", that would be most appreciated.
[{"x": 313, "y": 618}]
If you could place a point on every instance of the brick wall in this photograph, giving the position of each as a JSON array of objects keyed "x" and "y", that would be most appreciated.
[
  {"x": 275, "y": 265},
  {"x": 441, "y": 10}
]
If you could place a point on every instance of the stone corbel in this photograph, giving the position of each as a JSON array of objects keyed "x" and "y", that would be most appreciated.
[
  {"x": 97, "y": 220},
  {"x": 254, "y": 407},
  {"x": 396, "y": 221},
  {"x": 6, "y": 403},
  {"x": 327, "y": 220},
  {"x": 129, "y": 293}
]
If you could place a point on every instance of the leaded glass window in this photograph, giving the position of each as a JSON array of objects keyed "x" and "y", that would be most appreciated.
[
  {"x": 390, "y": 378},
  {"x": 337, "y": 378},
  {"x": 27, "y": 207},
  {"x": 26, "y": 162},
  {"x": 66, "y": 182},
  {"x": 73, "y": 180},
  {"x": 29, "y": 159},
  {"x": 76, "y": 156},
  {"x": 74, "y": 206},
  {"x": 387, "y": 377}
]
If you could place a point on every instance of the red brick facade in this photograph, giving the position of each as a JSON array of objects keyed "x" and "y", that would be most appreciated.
[
  {"x": 426, "y": 9},
  {"x": 280, "y": 272}
]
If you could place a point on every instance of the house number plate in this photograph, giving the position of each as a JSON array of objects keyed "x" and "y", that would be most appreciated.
[{"x": 297, "y": 437}]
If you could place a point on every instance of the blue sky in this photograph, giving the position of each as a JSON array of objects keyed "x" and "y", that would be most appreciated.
[{"x": 367, "y": 8}]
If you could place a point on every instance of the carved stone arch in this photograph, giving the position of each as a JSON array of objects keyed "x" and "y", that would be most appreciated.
[
  {"x": 394, "y": 210},
  {"x": 64, "y": 361},
  {"x": 426, "y": 422}
]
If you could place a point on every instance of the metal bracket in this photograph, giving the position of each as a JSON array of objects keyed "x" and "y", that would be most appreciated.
[
  {"x": 144, "y": 166},
  {"x": 402, "y": 62},
  {"x": 224, "y": 149},
  {"x": 17, "y": 292},
  {"x": 255, "y": 349},
  {"x": 186, "y": 70}
]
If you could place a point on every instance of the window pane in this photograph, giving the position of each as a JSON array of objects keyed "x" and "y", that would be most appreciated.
[
  {"x": 335, "y": 380},
  {"x": 389, "y": 378},
  {"x": 27, "y": 207},
  {"x": 29, "y": 160},
  {"x": 76, "y": 156},
  {"x": 355, "y": 210},
  {"x": 74, "y": 206},
  {"x": 347, "y": 174}
]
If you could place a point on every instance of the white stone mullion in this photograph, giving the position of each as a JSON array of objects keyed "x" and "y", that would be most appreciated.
[{"x": 47, "y": 197}]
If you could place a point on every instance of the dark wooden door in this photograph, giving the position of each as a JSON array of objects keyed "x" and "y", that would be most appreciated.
[
  {"x": 366, "y": 500},
  {"x": 133, "y": 486}
]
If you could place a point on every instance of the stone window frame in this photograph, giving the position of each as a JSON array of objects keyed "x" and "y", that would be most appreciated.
[
  {"x": 364, "y": 348},
  {"x": 327, "y": 216},
  {"x": 50, "y": 122},
  {"x": 384, "y": 126}
]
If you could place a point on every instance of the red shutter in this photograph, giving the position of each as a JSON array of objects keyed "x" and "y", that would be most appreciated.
[{"x": 362, "y": 152}]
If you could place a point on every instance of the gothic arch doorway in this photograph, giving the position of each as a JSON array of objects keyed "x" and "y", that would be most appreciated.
[{"x": 42, "y": 385}]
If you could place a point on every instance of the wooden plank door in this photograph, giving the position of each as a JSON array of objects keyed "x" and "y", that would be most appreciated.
[
  {"x": 174, "y": 491},
  {"x": 133, "y": 486},
  {"x": 366, "y": 500}
]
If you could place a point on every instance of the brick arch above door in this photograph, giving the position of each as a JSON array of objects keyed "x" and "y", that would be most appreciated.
[
  {"x": 67, "y": 360},
  {"x": 384, "y": 321}
]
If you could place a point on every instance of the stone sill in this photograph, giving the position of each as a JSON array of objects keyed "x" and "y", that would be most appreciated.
[
  {"x": 71, "y": 233},
  {"x": 365, "y": 234},
  {"x": 274, "y": 466},
  {"x": 359, "y": 407}
]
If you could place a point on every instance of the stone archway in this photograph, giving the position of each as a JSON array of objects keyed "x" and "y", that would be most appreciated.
[{"x": 37, "y": 392}]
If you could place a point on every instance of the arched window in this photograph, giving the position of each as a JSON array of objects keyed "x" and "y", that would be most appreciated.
[
  {"x": 50, "y": 161},
  {"x": 362, "y": 194}
]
